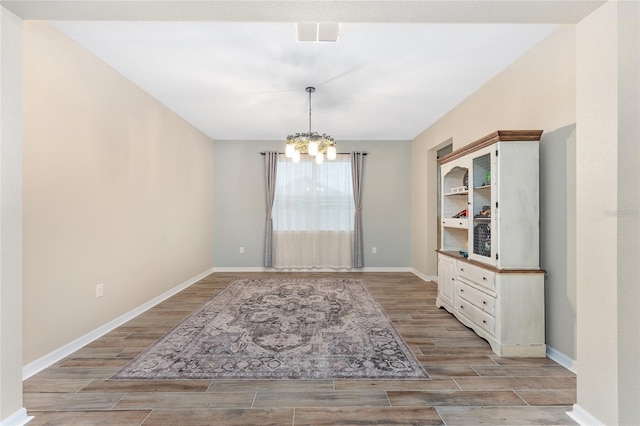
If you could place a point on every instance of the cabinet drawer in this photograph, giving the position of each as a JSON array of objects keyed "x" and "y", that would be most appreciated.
[
  {"x": 481, "y": 300},
  {"x": 477, "y": 275},
  {"x": 483, "y": 319},
  {"x": 456, "y": 223}
]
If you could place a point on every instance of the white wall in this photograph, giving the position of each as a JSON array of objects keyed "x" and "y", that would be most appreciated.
[
  {"x": 117, "y": 190},
  {"x": 239, "y": 216},
  {"x": 629, "y": 211},
  {"x": 597, "y": 230},
  {"x": 608, "y": 214},
  {"x": 535, "y": 92},
  {"x": 10, "y": 217}
]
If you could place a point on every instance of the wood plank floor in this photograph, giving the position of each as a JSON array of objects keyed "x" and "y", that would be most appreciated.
[{"x": 469, "y": 384}]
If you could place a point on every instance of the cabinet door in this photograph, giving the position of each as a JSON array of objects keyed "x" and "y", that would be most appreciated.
[
  {"x": 446, "y": 278},
  {"x": 482, "y": 212},
  {"x": 518, "y": 205}
]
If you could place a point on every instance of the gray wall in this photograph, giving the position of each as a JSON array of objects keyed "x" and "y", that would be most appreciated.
[
  {"x": 558, "y": 235},
  {"x": 239, "y": 205}
]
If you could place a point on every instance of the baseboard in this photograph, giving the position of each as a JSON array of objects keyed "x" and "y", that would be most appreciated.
[
  {"x": 423, "y": 276},
  {"x": 262, "y": 269},
  {"x": 241, "y": 269},
  {"x": 562, "y": 359},
  {"x": 385, "y": 269},
  {"x": 583, "y": 417},
  {"x": 18, "y": 418},
  {"x": 66, "y": 350}
]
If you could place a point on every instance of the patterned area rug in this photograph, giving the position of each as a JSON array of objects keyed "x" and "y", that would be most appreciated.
[{"x": 282, "y": 329}]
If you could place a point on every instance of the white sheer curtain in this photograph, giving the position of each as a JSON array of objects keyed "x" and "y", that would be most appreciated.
[{"x": 313, "y": 214}]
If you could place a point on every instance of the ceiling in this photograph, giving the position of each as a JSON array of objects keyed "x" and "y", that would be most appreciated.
[
  {"x": 235, "y": 70},
  {"x": 239, "y": 80}
]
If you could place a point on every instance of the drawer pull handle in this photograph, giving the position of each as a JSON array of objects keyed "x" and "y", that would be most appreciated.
[
  {"x": 462, "y": 269},
  {"x": 461, "y": 307},
  {"x": 484, "y": 321},
  {"x": 484, "y": 302},
  {"x": 484, "y": 278},
  {"x": 462, "y": 290}
]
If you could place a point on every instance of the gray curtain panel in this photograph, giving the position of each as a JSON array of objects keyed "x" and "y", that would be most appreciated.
[
  {"x": 270, "y": 167},
  {"x": 357, "y": 247}
]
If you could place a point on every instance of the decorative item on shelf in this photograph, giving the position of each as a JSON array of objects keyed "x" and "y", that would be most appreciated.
[
  {"x": 485, "y": 213},
  {"x": 465, "y": 180},
  {"x": 464, "y": 252},
  {"x": 462, "y": 213},
  {"x": 458, "y": 190},
  {"x": 312, "y": 143}
]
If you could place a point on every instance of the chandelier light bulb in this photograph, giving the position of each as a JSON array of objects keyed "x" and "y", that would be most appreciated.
[
  {"x": 331, "y": 153},
  {"x": 313, "y": 148},
  {"x": 289, "y": 149},
  {"x": 296, "y": 156},
  {"x": 319, "y": 158}
]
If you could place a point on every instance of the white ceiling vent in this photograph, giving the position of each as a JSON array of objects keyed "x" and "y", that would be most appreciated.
[{"x": 318, "y": 31}]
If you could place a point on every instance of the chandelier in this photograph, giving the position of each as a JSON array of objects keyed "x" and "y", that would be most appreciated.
[{"x": 312, "y": 143}]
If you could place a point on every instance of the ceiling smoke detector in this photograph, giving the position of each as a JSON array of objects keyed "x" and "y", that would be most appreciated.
[{"x": 317, "y": 31}]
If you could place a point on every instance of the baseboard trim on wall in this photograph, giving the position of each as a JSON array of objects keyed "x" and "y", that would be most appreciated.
[
  {"x": 423, "y": 276},
  {"x": 385, "y": 269},
  {"x": 583, "y": 417},
  {"x": 241, "y": 269},
  {"x": 562, "y": 359},
  {"x": 18, "y": 418},
  {"x": 262, "y": 269},
  {"x": 56, "y": 355}
]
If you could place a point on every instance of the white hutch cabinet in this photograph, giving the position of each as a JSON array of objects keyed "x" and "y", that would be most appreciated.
[{"x": 489, "y": 274}]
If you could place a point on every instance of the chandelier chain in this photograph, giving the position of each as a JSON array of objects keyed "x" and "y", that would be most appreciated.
[
  {"x": 310, "y": 90},
  {"x": 310, "y": 111}
]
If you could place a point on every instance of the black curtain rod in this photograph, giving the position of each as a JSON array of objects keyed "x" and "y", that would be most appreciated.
[{"x": 338, "y": 153}]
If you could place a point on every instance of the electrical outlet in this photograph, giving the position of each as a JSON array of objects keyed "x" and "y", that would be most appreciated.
[
  {"x": 99, "y": 290},
  {"x": 374, "y": 250},
  {"x": 241, "y": 250}
]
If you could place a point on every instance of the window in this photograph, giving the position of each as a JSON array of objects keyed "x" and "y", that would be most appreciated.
[{"x": 313, "y": 214}]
